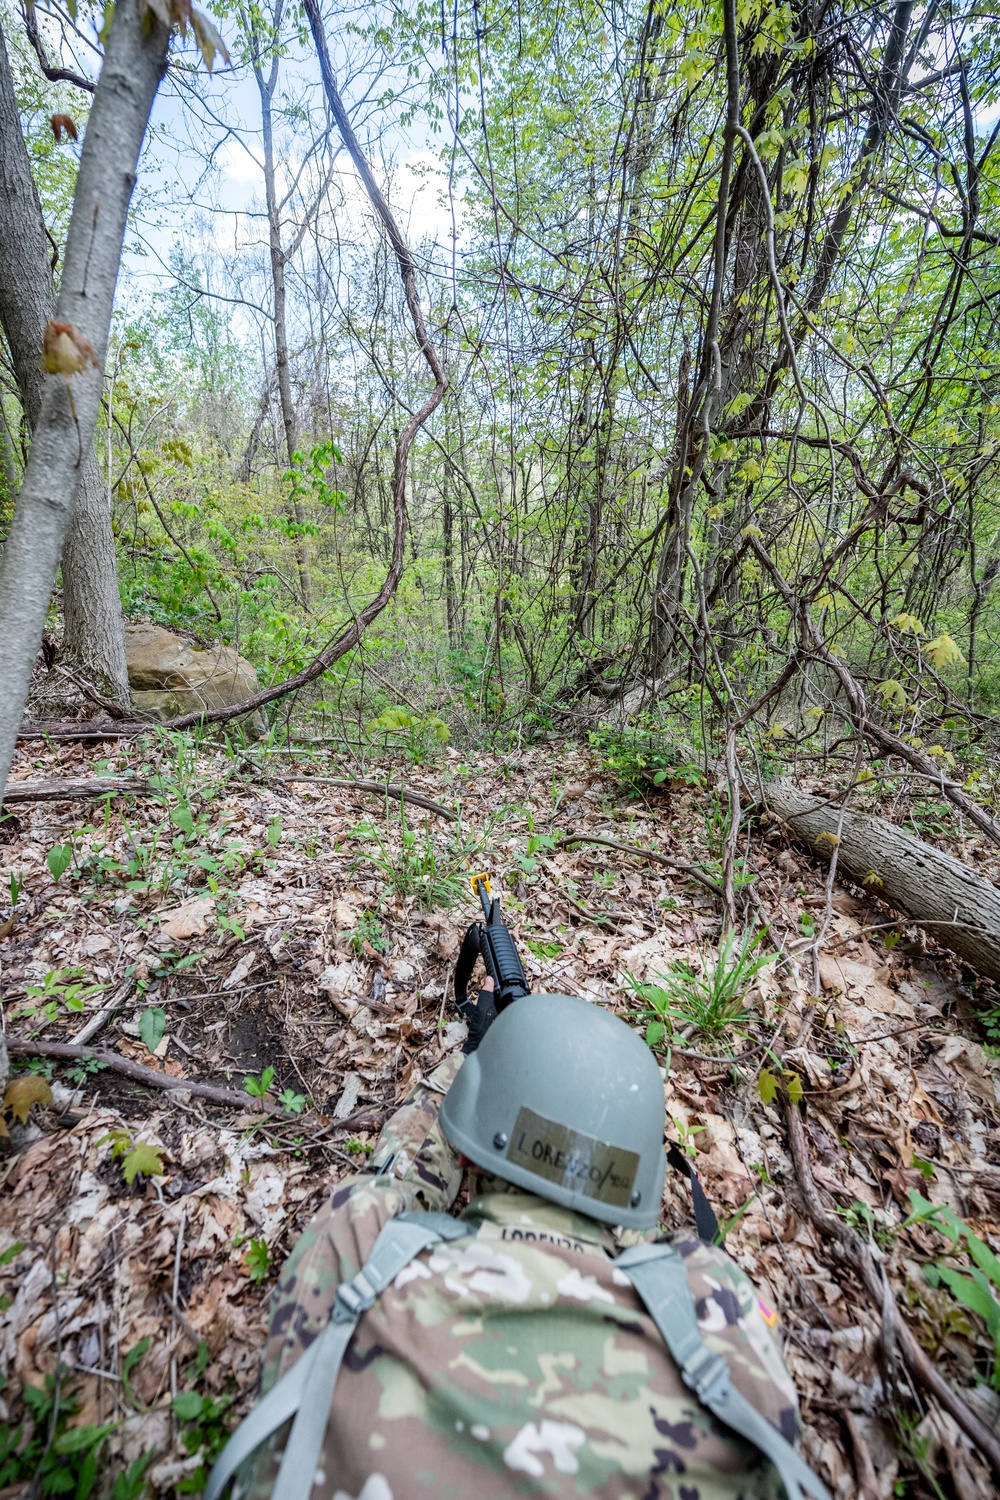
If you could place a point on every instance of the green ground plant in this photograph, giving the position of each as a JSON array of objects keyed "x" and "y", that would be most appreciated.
[
  {"x": 60, "y": 989},
  {"x": 416, "y": 866},
  {"x": 647, "y": 754},
  {"x": 708, "y": 996},
  {"x": 420, "y": 736}
]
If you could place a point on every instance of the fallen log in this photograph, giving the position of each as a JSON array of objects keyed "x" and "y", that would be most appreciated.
[
  {"x": 84, "y": 729},
  {"x": 958, "y": 908},
  {"x": 68, "y": 789},
  {"x": 385, "y": 789}
]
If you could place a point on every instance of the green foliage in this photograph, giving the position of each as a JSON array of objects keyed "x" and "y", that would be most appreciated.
[
  {"x": 292, "y": 1102},
  {"x": 979, "y": 1288},
  {"x": 368, "y": 929},
  {"x": 646, "y": 755},
  {"x": 258, "y": 1087},
  {"x": 60, "y": 988},
  {"x": 418, "y": 734},
  {"x": 415, "y": 865},
  {"x": 138, "y": 1158},
  {"x": 785, "y": 1081},
  {"x": 709, "y": 997},
  {"x": 59, "y": 859},
  {"x": 204, "y": 1429},
  {"x": 69, "y": 1464},
  {"x": 258, "y": 1260},
  {"x": 152, "y": 1025}
]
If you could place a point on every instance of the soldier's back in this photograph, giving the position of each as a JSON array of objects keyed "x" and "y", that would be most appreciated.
[{"x": 519, "y": 1360}]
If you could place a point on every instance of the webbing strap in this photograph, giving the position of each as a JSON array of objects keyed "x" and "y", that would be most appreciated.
[
  {"x": 305, "y": 1392},
  {"x": 660, "y": 1277},
  {"x": 704, "y": 1214}
]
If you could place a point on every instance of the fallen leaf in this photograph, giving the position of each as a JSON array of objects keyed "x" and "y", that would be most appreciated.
[
  {"x": 190, "y": 919},
  {"x": 23, "y": 1093},
  {"x": 240, "y": 970}
]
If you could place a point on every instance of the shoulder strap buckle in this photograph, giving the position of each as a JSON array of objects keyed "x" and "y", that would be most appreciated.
[
  {"x": 707, "y": 1374},
  {"x": 354, "y": 1298}
]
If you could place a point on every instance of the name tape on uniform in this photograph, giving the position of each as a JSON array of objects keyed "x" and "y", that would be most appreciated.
[{"x": 573, "y": 1160}]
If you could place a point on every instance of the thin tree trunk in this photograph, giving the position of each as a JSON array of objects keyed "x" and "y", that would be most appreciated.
[
  {"x": 8, "y": 468},
  {"x": 94, "y": 641},
  {"x": 134, "y": 63},
  {"x": 266, "y": 87}
]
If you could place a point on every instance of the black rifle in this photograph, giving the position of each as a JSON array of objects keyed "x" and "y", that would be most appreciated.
[{"x": 491, "y": 940}]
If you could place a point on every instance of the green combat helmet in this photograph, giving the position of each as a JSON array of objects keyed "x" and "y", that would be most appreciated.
[{"x": 566, "y": 1101}]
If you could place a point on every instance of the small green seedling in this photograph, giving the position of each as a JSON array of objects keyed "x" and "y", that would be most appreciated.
[
  {"x": 258, "y": 1087},
  {"x": 152, "y": 1025},
  {"x": 59, "y": 859},
  {"x": 258, "y": 1259},
  {"x": 139, "y": 1158}
]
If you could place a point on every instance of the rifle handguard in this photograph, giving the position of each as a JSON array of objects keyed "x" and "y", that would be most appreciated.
[{"x": 504, "y": 964}]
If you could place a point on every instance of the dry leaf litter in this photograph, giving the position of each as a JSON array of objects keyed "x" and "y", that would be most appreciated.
[{"x": 243, "y": 907}]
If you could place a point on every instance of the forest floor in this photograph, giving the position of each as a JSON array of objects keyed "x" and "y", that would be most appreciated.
[{"x": 245, "y": 921}]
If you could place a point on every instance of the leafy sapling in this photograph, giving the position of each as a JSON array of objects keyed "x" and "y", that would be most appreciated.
[{"x": 258, "y": 1087}]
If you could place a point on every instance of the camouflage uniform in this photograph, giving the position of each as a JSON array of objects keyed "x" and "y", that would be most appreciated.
[{"x": 516, "y": 1361}]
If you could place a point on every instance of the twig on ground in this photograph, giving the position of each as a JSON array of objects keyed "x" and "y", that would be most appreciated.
[
  {"x": 36, "y": 1483},
  {"x": 569, "y": 839},
  {"x": 896, "y": 1333},
  {"x": 380, "y": 789},
  {"x": 601, "y": 918},
  {"x": 95, "y": 1023},
  {"x": 18, "y": 1047},
  {"x": 178, "y": 1249},
  {"x": 66, "y": 789}
]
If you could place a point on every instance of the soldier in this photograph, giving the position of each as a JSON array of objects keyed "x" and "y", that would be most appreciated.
[{"x": 542, "y": 1343}]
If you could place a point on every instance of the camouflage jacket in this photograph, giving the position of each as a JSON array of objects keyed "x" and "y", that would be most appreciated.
[{"x": 516, "y": 1361}]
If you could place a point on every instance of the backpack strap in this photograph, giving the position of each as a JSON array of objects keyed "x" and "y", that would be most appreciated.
[
  {"x": 706, "y": 1223},
  {"x": 660, "y": 1277},
  {"x": 306, "y": 1390}
]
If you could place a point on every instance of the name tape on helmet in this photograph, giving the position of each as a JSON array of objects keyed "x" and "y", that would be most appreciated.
[{"x": 575, "y": 1161}]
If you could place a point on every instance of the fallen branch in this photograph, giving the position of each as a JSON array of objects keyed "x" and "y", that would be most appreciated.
[
  {"x": 958, "y": 907},
  {"x": 855, "y": 708},
  {"x": 380, "y": 789},
  {"x": 93, "y": 1026},
  {"x": 68, "y": 790},
  {"x": 896, "y": 1333},
  {"x": 67, "y": 1051},
  {"x": 84, "y": 729},
  {"x": 661, "y": 859}
]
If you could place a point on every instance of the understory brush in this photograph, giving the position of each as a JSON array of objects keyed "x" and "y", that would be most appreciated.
[
  {"x": 416, "y": 865},
  {"x": 706, "y": 998}
]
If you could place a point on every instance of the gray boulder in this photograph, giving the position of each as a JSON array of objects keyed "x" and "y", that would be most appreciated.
[{"x": 169, "y": 676}]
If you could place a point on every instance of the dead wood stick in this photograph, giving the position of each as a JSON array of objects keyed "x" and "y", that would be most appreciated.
[
  {"x": 661, "y": 859},
  {"x": 83, "y": 729},
  {"x": 72, "y": 789},
  {"x": 18, "y": 1047},
  {"x": 93, "y": 1026},
  {"x": 895, "y": 1332},
  {"x": 380, "y": 789},
  {"x": 931, "y": 887}
]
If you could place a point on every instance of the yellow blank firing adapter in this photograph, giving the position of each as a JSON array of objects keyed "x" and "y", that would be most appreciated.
[{"x": 477, "y": 880}]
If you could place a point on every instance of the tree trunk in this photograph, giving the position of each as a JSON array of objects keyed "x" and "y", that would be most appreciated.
[
  {"x": 134, "y": 63},
  {"x": 266, "y": 87},
  {"x": 94, "y": 641},
  {"x": 959, "y": 909}
]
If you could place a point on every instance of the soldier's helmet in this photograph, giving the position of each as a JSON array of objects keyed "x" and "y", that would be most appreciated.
[{"x": 567, "y": 1101}]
